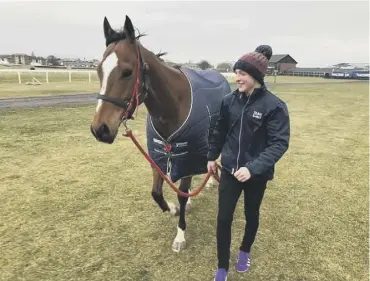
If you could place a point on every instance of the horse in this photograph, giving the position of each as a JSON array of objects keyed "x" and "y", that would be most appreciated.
[{"x": 182, "y": 104}]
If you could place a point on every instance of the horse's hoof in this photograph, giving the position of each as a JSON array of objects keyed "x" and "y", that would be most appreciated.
[
  {"x": 177, "y": 246},
  {"x": 174, "y": 210}
]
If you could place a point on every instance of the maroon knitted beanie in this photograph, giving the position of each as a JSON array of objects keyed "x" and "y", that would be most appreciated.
[{"x": 255, "y": 63}]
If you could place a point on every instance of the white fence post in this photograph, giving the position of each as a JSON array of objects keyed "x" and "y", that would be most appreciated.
[
  {"x": 70, "y": 77},
  {"x": 19, "y": 78},
  {"x": 89, "y": 77},
  {"x": 47, "y": 77}
]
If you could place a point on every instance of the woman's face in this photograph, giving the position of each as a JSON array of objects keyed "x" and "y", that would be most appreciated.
[{"x": 244, "y": 80}]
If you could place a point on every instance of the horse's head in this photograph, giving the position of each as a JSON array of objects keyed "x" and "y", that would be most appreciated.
[{"x": 121, "y": 73}]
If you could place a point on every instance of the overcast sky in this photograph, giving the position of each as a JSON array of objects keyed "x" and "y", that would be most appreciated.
[{"x": 314, "y": 33}]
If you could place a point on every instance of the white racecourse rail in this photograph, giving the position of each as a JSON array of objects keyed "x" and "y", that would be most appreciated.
[{"x": 46, "y": 73}]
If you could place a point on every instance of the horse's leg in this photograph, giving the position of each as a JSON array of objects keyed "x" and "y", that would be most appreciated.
[
  {"x": 157, "y": 194},
  {"x": 180, "y": 243}
]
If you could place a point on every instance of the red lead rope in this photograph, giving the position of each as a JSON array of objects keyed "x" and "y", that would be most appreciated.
[{"x": 165, "y": 177}]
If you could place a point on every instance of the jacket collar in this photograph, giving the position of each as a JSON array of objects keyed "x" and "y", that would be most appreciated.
[{"x": 257, "y": 93}]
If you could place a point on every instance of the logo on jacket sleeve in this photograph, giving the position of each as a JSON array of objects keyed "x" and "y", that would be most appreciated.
[{"x": 257, "y": 115}]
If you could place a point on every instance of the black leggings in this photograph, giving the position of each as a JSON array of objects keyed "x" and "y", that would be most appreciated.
[{"x": 229, "y": 192}]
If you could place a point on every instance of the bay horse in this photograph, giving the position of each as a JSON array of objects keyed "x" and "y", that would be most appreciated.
[{"x": 181, "y": 104}]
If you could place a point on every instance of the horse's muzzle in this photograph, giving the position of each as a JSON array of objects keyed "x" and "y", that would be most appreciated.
[{"x": 103, "y": 134}]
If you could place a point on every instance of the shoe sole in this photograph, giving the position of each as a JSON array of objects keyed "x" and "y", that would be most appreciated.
[{"x": 239, "y": 271}]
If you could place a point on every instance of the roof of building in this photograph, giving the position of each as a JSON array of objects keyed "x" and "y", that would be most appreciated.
[{"x": 278, "y": 57}]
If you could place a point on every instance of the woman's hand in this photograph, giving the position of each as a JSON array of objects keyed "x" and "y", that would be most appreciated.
[{"x": 242, "y": 174}]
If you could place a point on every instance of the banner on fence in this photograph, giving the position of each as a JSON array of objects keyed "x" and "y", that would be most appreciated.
[{"x": 349, "y": 75}]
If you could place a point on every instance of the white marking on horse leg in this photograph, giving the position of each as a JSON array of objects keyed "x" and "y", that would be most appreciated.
[
  {"x": 173, "y": 208},
  {"x": 189, "y": 201},
  {"x": 108, "y": 65},
  {"x": 180, "y": 235},
  {"x": 188, "y": 205},
  {"x": 179, "y": 243}
]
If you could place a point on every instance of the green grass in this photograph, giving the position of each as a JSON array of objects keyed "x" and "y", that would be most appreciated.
[
  {"x": 51, "y": 89},
  {"x": 53, "y": 76},
  {"x": 59, "y": 83},
  {"x": 75, "y": 209}
]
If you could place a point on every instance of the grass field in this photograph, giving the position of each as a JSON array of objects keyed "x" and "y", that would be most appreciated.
[
  {"x": 57, "y": 88},
  {"x": 53, "y": 76},
  {"x": 59, "y": 83},
  {"x": 75, "y": 209}
]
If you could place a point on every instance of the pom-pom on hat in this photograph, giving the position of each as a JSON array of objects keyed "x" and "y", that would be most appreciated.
[{"x": 255, "y": 63}]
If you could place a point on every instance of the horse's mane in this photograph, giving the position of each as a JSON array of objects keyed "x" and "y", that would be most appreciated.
[
  {"x": 121, "y": 35},
  {"x": 160, "y": 54}
]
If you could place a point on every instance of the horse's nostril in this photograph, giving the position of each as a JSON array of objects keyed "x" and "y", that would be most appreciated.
[
  {"x": 103, "y": 130},
  {"x": 102, "y": 134}
]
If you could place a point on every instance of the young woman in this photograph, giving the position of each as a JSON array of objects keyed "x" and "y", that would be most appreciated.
[{"x": 251, "y": 133}]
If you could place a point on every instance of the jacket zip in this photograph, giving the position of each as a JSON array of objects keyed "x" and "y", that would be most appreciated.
[{"x": 240, "y": 131}]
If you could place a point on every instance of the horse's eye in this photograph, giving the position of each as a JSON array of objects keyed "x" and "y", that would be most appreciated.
[{"x": 126, "y": 73}]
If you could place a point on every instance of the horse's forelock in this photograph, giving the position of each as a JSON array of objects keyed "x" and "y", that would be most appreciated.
[{"x": 108, "y": 51}]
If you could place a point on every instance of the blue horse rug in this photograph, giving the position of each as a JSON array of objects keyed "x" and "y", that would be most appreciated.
[{"x": 184, "y": 153}]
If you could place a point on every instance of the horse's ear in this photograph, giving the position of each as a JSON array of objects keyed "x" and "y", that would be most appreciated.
[
  {"x": 129, "y": 29},
  {"x": 108, "y": 31}
]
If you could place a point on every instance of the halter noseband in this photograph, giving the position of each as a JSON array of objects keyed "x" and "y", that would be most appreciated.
[{"x": 137, "y": 98}]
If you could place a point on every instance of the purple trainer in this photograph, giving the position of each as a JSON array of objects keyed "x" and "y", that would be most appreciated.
[
  {"x": 244, "y": 262},
  {"x": 221, "y": 275}
]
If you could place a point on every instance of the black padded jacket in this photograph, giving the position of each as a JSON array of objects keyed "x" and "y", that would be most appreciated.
[{"x": 250, "y": 131}]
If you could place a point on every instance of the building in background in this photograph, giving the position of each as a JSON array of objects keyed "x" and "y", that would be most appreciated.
[
  {"x": 5, "y": 59},
  {"x": 19, "y": 59},
  {"x": 281, "y": 63}
]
